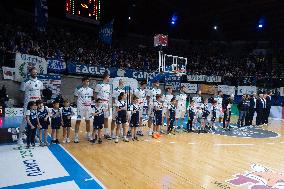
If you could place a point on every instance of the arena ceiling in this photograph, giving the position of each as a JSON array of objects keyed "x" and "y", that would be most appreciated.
[{"x": 235, "y": 19}]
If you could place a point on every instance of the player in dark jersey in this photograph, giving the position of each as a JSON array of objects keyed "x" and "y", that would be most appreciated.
[
  {"x": 172, "y": 115},
  {"x": 135, "y": 117},
  {"x": 43, "y": 117},
  {"x": 32, "y": 123},
  {"x": 56, "y": 122},
  {"x": 98, "y": 122},
  {"x": 67, "y": 112}
]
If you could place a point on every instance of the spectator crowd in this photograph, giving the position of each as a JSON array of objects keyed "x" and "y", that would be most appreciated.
[{"x": 84, "y": 47}]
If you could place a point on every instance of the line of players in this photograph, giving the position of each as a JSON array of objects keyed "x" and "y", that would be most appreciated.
[{"x": 158, "y": 107}]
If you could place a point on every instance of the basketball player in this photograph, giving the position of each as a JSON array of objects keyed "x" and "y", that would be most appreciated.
[
  {"x": 198, "y": 99},
  {"x": 219, "y": 100},
  {"x": 33, "y": 92},
  {"x": 227, "y": 105},
  {"x": 166, "y": 99},
  {"x": 115, "y": 93},
  {"x": 83, "y": 95},
  {"x": 140, "y": 93},
  {"x": 151, "y": 98},
  {"x": 181, "y": 106},
  {"x": 102, "y": 91}
]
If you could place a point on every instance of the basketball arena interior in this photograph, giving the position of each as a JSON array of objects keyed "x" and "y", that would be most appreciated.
[{"x": 135, "y": 94}]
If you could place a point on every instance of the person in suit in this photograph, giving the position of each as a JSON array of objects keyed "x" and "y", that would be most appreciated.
[
  {"x": 260, "y": 104},
  {"x": 251, "y": 110},
  {"x": 268, "y": 106},
  {"x": 243, "y": 107}
]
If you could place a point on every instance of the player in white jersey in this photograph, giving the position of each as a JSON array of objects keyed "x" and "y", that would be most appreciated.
[
  {"x": 115, "y": 93},
  {"x": 181, "y": 105},
  {"x": 198, "y": 99},
  {"x": 140, "y": 93},
  {"x": 102, "y": 91},
  {"x": 33, "y": 91},
  {"x": 219, "y": 100},
  {"x": 151, "y": 98},
  {"x": 83, "y": 94},
  {"x": 166, "y": 99}
]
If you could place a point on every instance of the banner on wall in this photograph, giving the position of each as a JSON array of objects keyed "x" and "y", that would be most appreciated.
[
  {"x": 246, "y": 90},
  {"x": 8, "y": 73},
  {"x": 173, "y": 80},
  {"x": 13, "y": 112},
  {"x": 55, "y": 65},
  {"x": 52, "y": 82},
  {"x": 196, "y": 77},
  {"x": 190, "y": 88},
  {"x": 200, "y": 78},
  {"x": 24, "y": 62},
  {"x": 226, "y": 89},
  {"x": 213, "y": 79},
  {"x": 208, "y": 89},
  {"x": 84, "y": 69}
]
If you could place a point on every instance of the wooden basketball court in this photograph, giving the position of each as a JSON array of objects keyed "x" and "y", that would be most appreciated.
[{"x": 182, "y": 160}]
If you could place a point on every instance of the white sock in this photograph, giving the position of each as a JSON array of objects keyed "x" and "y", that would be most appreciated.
[
  {"x": 76, "y": 135},
  {"x": 106, "y": 131}
]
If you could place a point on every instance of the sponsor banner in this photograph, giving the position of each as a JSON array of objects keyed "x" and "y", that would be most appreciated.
[
  {"x": 24, "y": 62},
  {"x": 55, "y": 65},
  {"x": 28, "y": 165},
  {"x": 140, "y": 75},
  {"x": 213, "y": 79},
  {"x": 246, "y": 90},
  {"x": 275, "y": 91},
  {"x": 228, "y": 90},
  {"x": 8, "y": 73},
  {"x": 13, "y": 112},
  {"x": 173, "y": 80},
  {"x": 208, "y": 89},
  {"x": 190, "y": 88},
  {"x": 53, "y": 82},
  {"x": 209, "y": 79},
  {"x": 196, "y": 77},
  {"x": 83, "y": 69}
]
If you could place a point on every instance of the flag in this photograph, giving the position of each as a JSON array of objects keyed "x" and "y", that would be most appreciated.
[
  {"x": 105, "y": 34},
  {"x": 41, "y": 14},
  {"x": 8, "y": 73}
]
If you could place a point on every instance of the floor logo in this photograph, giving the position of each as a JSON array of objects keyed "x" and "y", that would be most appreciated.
[
  {"x": 259, "y": 177},
  {"x": 247, "y": 132}
]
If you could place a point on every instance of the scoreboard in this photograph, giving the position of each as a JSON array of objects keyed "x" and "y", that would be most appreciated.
[{"x": 84, "y": 10}]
